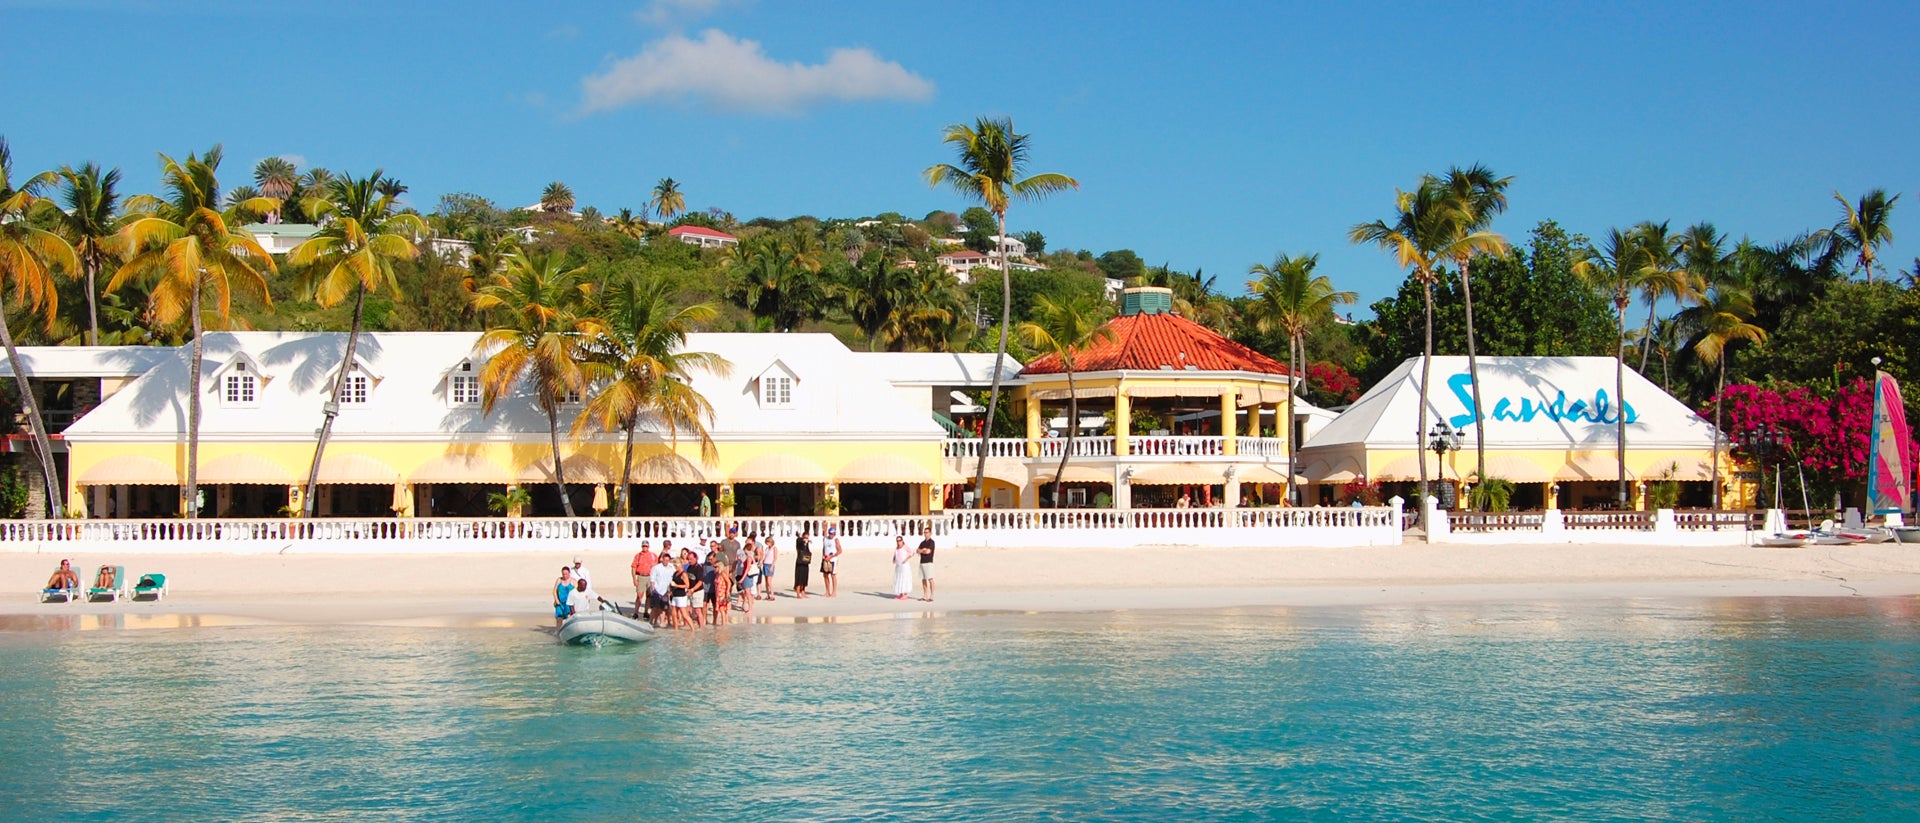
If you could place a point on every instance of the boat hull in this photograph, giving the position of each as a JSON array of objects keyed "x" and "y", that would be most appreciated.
[
  {"x": 602, "y": 628},
  {"x": 1907, "y": 534}
]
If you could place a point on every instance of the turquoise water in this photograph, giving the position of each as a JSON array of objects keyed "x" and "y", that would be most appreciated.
[{"x": 1750, "y": 709}]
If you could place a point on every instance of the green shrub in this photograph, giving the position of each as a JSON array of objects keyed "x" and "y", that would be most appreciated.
[
  {"x": 1664, "y": 492},
  {"x": 14, "y": 495},
  {"x": 1494, "y": 494}
]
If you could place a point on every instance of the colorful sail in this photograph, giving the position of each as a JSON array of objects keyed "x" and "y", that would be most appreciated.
[{"x": 1889, "y": 450}]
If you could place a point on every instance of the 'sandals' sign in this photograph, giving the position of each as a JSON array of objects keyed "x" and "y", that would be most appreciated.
[{"x": 1600, "y": 409}]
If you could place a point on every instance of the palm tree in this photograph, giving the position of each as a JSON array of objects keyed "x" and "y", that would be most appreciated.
[
  {"x": 776, "y": 277},
  {"x": 637, "y": 363},
  {"x": 1418, "y": 231},
  {"x": 1863, "y": 228},
  {"x": 88, "y": 224},
  {"x": 556, "y": 199},
  {"x": 389, "y": 188},
  {"x": 668, "y": 200},
  {"x": 1474, "y": 197},
  {"x": 1061, "y": 328},
  {"x": 630, "y": 224},
  {"x": 27, "y": 252},
  {"x": 874, "y": 295},
  {"x": 540, "y": 340},
  {"x": 1617, "y": 270},
  {"x": 354, "y": 251},
  {"x": 925, "y": 321},
  {"x": 1290, "y": 299},
  {"x": 183, "y": 246},
  {"x": 991, "y": 159},
  {"x": 1719, "y": 319},
  {"x": 276, "y": 178}
]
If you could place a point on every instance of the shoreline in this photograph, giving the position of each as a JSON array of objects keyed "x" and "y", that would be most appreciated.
[{"x": 510, "y": 590}]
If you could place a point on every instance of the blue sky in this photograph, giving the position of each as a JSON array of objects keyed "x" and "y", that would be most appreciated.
[{"x": 1209, "y": 136}]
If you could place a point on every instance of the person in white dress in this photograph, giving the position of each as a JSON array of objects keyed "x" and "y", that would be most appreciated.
[{"x": 902, "y": 575}]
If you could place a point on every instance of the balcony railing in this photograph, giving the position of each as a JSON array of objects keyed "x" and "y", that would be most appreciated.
[
  {"x": 1176, "y": 446},
  {"x": 996, "y": 447},
  {"x": 477, "y": 532},
  {"x": 1262, "y": 447},
  {"x": 1145, "y": 446},
  {"x": 1113, "y": 519},
  {"x": 1082, "y": 447}
]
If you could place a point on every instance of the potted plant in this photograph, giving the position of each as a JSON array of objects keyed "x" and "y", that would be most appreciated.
[
  {"x": 830, "y": 505},
  {"x": 726, "y": 501},
  {"x": 510, "y": 502},
  {"x": 1494, "y": 494}
]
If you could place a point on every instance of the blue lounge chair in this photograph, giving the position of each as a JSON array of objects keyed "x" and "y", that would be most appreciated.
[
  {"x": 59, "y": 595},
  {"x": 150, "y": 587},
  {"x": 119, "y": 588}
]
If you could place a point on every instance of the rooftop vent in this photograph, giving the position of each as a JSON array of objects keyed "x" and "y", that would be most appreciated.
[{"x": 1146, "y": 300}]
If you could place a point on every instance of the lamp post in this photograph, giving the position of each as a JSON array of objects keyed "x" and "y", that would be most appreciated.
[
  {"x": 1442, "y": 439},
  {"x": 1763, "y": 442}
]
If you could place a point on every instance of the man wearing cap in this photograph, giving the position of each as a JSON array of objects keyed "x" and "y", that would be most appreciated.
[
  {"x": 730, "y": 547},
  {"x": 642, "y": 568}
]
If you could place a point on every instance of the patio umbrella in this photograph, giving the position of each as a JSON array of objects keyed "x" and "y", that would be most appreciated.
[
  {"x": 402, "y": 497},
  {"x": 599, "y": 498}
]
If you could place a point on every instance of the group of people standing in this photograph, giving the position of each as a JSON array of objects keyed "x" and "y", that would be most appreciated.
[{"x": 704, "y": 583}]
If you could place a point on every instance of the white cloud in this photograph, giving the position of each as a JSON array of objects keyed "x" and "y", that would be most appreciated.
[
  {"x": 666, "y": 12},
  {"x": 735, "y": 75},
  {"x": 299, "y": 161}
]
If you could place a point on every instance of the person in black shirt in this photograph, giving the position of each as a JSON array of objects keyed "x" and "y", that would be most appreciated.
[
  {"x": 926, "y": 564},
  {"x": 802, "y": 555}
]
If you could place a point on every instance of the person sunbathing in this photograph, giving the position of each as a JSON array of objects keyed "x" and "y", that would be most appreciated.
[
  {"x": 106, "y": 579},
  {"x": 64, "y": 578}
]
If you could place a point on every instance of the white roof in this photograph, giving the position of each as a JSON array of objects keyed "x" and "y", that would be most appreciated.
[
  {"x": 1529, "y": 403},
  {"x": 833, "y": 396},
  {"x": 937, "y": 368},
  {"x": 86, "y": 361}
]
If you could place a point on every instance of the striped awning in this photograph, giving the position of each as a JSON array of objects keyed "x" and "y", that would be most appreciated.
[
  {"x": 667, "y": 468},
  {"x": 461, "y": 468},
  {"x": 243, "y": 469},
  {"x": 1590, "y": 467},
  {"x": 1344, "y": 470},
  {"x": 1267, "y": 474},
  {"x": 996, "y": 470},
  {"x": 357, "y": 469},
  {"x": 1077, "y": 474},
  {"x": 780, "y": 467},
  {"x": 578, "y": 468},
  {"x": 129, "y": 470},
  {"x": 883, "y": 468},
  {"x": 1512, "y": 468}
]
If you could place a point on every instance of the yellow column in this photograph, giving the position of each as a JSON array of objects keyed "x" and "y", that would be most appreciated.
[
  {"x": 1122, "y": 421},
  {"x": 1033, "y": 425},
  {"x": 1228, "y": 445}
]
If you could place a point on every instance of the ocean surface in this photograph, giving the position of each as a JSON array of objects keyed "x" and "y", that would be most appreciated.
[{"x": 1694, "y": 710}]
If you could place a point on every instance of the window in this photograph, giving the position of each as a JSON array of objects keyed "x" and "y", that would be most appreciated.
[
  {"x": 240, "y": 386},
  {"x": 776, "y": 391},
  {"x": 464, "y": 387},
  {"x": 354, "y": 393},
  {"x": 572, "y": 396}
]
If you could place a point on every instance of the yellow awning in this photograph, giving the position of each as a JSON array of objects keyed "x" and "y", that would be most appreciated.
[
  {"x": 461, "y": 468},
  {"x": 579, "y": 468},
  {"x": 996, "y": 470},
  {"x": 780, "y": 467},
  {"x": 882, "y": 468},
  {"x": 1344, "y": 470},
  {"x": 244, "y": 469},
  {"x": 1590, "y": 467},
  {"x": 1405, "y": 468},
  {"x": 1509, "y": 467},
  {"x": 1267, "y": 474},
  {"x": 667, "y": 467},
  {"x": 1077, "y": 474},
  {"x": 356, "y": 468},
  {"x": 1176, "y": 474},
  {"x": 129, "y": 470}
]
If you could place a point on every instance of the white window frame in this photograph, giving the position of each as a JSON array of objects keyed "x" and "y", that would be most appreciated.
[
  {"x": 463, "y": 385},
  {"x": 237, "y": 380},
  {"x": 776, "y": 391},
  {"x": 357, "y": 389}
]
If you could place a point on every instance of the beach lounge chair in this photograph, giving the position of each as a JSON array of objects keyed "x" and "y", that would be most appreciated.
[
  {"x": 117, "y": 588},
  {"x": 59, "y": 595},
  {"x": 150, "y": 587}
]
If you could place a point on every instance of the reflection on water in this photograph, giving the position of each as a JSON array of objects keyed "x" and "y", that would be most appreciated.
[{"x": 1633, "y": 709}]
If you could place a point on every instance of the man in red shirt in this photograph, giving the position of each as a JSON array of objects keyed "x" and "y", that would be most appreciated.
[{"x": 642, "y": 568}]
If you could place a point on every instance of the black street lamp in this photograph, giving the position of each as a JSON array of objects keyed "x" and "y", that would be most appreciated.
[
  {"x": 1763, "y": 442},
  {"x": 1442, "y": 439}
]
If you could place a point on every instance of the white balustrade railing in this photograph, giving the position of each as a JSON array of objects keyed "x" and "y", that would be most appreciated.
[
  {"x": 1262, "y": 447},
  {"x": 1161, "y": 445},
  {"x": 483, "y": 529},
  {"x": 1626, "y": 521},
  {"x": 1082, "y": 447},
  {"x": 1121, "y": 519},
  {"x": 996, "y": 447}
]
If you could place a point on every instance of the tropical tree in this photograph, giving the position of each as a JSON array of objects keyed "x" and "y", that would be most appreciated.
[
  {"x": 1290, "y": 299},
  {"x": 360, "y": 238},
  {"x": 1617, "y": 269},
  {"x": 27, "y": 254},
  {"x": 876, "y": 293},
  {"x": 630, "y": 224},
  {"x": 556, "y": 199},
  {"x": 776, "y": 277},
  {"x": 637, "y": 363},
  {"x": 1061, "y": 329},
  {"x": 1720, "y": 318},
  {"x": 539, "y": 341},
  {"x": 1474, "y": 196},
  {"x": 926, "y": 321},
  {"x": 182, "y": 247},
  {"x": 1419, "y": 228},
  {"x": 277, "y": 179},
  {"x": 88, "y": 223},
  {"x": 1863, "y": 228},
  {"x": 668, "y": 200},
  {"x": 991, "y": 159}
]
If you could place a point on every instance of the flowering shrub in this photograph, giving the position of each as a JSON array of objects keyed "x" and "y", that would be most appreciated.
[
  {"x": 1824, "y": 432},
  {"x": 1367, "y": 493},
  {"x": 1331, "y": 384}
]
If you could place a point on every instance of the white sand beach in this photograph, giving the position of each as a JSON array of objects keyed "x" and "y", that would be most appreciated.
[{"x": 511, "y": 589}]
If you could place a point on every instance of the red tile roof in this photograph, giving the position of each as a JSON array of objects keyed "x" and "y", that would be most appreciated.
[
  {"x": 963, "y": 255},
  {"x": 701, "y": 231},
  {"x": 1151, "y": 342}
]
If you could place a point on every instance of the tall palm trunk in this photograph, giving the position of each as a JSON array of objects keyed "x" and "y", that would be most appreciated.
[
  {"x": 93, "y": 305},
  {"x": 559, "y": 470},
  {"x": 1294, "y": 357},
  {"x": 1646, "y": 339},
  {"x": 1719, "y": 400},
  {"x": 190, "y": 493},
  {"x": 1620, "y": 402},
  {"x": 1073, "y": 429},
  {"x": 331, "y": 410},
  {"x": 1420, "y": 426},
  {"x": 626, "y": 468},
  {"x": 30, "y": 406},
  {"x": 1000, "y": 357},
  {"x": 1473, "y": 376}
]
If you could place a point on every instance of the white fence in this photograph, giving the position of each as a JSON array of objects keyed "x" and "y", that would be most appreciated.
[
  {"x": 1664, "y": 527},
  {"x": 996, "y": 447},
  {"x": 1082, "y": 447},
  {"x": 1376, "y": 526}
]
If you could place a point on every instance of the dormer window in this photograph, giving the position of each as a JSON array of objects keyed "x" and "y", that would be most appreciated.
[
  {"x": 463, "y": 386},
  {"x": 241, "y": 387},
  {"x": 571, "y": 398},
  {"x": 776, "y": 390},
  {"x": 354, "y": 393}
]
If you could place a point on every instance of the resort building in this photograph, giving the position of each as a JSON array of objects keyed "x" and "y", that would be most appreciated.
[
  {"x": 962, "y": 263},
  {"x": 1551, "y": 426},
  {"x": 1170, "y": 412},
  {"x": 703, "y": 237},
  {"x": 280, "y": 238}
]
